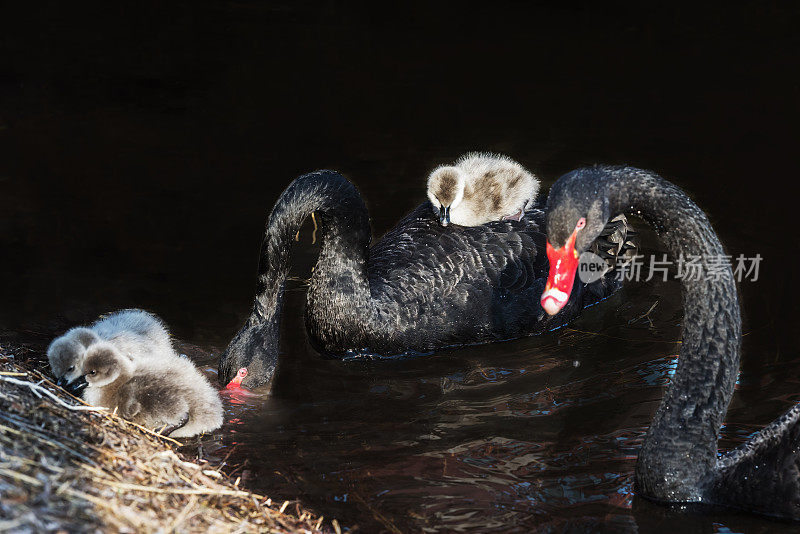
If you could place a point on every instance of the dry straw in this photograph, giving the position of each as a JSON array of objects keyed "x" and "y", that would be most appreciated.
[{"x": 66, "y": 466}]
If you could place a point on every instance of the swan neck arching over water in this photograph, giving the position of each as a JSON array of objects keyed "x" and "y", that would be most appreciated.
[
  {"x": 688, "y": 420},
  {"x": 341, "y": 269},
  {"x": 678, "y": 461}
]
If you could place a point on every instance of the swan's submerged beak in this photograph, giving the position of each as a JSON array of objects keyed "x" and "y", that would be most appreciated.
[
  {"x": 236, "y": 383},
  {"x": 563, "y": 266}
]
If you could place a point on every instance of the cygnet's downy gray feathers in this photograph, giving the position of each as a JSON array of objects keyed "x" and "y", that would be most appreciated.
[
  {"x": 157, "y": 393},
  {"x": 66, "y": 353},
  {"x": 480, "y": 188},
  {"x": 135, "y": 333}
]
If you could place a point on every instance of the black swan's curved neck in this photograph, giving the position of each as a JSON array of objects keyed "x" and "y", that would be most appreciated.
[
  {"x": 339, "y": 291},
  {"x": 680, "y": 449},
  {"x": 345, "y": 236}
]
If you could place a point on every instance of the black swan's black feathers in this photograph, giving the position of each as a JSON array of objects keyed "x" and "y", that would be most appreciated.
[
  {"x": 444, "y": 286},
  {"x": 426, "y": 275},
  {"x": 679, "y": 460},
  {"x": 421, "y": 287},
  {"x": 763, "y": 474}
]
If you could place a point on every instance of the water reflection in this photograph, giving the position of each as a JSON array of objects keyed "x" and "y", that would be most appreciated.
[{"x": 537, "y": 433}]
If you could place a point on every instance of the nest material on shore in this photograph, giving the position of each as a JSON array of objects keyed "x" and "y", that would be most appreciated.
[{"x": 67, "y": 467}]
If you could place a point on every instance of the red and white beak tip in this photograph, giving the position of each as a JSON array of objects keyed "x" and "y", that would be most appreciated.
[
  {"x": 553, "y": 300},
  {"x": 563, "y": 266}
]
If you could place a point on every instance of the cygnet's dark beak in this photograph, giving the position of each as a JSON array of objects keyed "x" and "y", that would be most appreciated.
[
  {"x": 77, "y": 386},
  {"x": 444, "y": 215},
  {"x": 515, "y": 217},
  {"x": 61, "y": 382}
]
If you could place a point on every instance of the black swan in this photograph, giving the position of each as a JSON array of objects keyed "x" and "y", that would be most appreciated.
[
  {"x": 421, "y": 287},
  {"x": 480, "y": 188},
  {"x": 678, "y": 462}
]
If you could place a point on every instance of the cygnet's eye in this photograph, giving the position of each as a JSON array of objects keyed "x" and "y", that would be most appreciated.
[
  {"x": 93, "y": 372},
  {"x": 71, "y": 368}
]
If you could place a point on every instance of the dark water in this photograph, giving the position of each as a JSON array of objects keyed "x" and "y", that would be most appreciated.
[{"x": 141, "y": 147}]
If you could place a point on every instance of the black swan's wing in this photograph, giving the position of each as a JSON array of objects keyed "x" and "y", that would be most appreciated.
[
  {"x": 435, "y": 286},
  {"x": 763, "y": 475}
]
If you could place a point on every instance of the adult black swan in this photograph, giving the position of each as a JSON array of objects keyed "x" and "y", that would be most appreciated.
[
  {"x": 420, "y": 288},
  {"x": 678, "y": 462}
]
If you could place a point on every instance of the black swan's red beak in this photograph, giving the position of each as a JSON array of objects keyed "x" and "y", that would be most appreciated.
[
  {"x": 563, "y": 266},
  {"x": 236, "y": 383}
]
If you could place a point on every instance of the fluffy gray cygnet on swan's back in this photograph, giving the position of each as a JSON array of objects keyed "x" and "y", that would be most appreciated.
[
  {"x": 135, "y": 333},
  {"x": 153, "y": 392},
  {"x": 480, "y": 188}
]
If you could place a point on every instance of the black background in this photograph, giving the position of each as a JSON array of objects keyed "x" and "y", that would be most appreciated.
[{"x": 142, "y": 144}]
